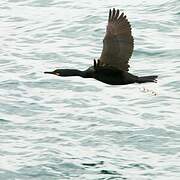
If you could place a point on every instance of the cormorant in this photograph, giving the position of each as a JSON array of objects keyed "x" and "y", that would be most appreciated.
[{"x": 112, "y": 66}]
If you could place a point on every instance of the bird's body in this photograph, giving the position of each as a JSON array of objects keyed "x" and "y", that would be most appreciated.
[
  {"x": 113, "y": 65},
  {"x": 108, "y": 75}
]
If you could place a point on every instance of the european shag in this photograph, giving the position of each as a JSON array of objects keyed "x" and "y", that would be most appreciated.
[{"x": 113, "y": 65}]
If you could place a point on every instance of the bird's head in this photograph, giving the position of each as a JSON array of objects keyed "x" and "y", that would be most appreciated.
[{"x": 66, "y": 72}]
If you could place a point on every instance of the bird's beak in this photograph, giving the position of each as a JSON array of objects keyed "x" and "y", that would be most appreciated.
[
  {"x": 52, "y": 72},
  {"x": 48, "y": 72}
]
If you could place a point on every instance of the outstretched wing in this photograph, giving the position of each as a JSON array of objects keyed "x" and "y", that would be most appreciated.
[{"x": 118, "y": 42}]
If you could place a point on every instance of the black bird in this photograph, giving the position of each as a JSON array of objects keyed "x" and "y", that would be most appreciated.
[{"x": 112, "y": 66}]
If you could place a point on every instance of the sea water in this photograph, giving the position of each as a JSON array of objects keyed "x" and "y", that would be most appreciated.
[{"x": 54, "y": 128}]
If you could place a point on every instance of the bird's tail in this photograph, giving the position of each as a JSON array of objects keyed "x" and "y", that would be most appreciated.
[{"x": 145, "y": 79}]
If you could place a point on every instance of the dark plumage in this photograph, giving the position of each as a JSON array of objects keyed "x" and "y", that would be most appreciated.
[{"x": 113, "y": 65}]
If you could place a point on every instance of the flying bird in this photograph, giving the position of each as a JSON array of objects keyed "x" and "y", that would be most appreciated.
[{"x": 113, "y": 65}]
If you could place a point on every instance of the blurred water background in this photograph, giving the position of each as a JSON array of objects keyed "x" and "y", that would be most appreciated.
[{"x": 54, "y": 128}]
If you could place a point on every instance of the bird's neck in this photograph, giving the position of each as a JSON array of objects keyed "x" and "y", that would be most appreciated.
[{"x": 73, "y": 72}]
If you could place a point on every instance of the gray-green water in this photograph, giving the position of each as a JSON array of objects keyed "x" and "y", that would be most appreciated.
[{"x": 54, "y": 128}]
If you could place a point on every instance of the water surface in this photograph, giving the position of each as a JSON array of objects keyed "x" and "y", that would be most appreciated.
[{"x": 73, "y": 128}]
